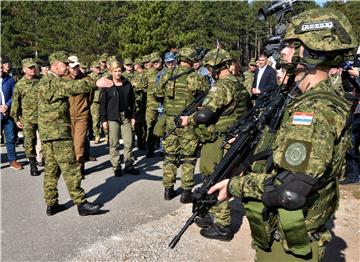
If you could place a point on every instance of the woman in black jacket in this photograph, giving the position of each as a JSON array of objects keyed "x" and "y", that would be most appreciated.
[{"x": 117, "y": 113}]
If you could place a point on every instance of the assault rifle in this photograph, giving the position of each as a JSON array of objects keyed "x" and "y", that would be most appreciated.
[
  {"x": 189, "y": 110},
  {"x": 249, "y": 131}
]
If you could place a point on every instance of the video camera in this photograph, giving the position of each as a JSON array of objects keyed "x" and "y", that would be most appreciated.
[
  {"x": 280, "y": 8},
  {"x": 348, "y": 64}
]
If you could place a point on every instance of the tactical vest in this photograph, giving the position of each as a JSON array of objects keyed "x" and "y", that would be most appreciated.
[
  {"x": 295, "y": 229},
  {"x": 177, "y": 94},
  {"x": 235, "y": 109}
]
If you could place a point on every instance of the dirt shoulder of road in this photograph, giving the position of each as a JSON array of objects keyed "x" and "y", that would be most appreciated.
[{"x": 149, "y": 242}]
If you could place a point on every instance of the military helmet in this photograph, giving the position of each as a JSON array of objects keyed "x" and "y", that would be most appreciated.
[
  {"x": 322, "y": 30},
  {"x": 216, "y": 57},
  {"x": 187, "y": 53}
]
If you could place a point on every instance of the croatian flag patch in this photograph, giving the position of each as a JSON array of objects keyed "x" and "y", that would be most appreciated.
[{"x": 301, "y": 118}]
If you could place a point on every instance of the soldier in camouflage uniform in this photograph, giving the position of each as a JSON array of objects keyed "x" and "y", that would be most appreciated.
[
  {"x": 180, "y": 146},
  {"x": 24, "y": 110},
  {"x": 289, "y": 205},
  {"x": 129, "y": 69},
  {"x": 55, "y": 133},
  {"x": 95, "y": 106},
  {"x": 139, "y": 83},
  {"x": 249, "y": 75},
  {"x": 152, "y": 103},
  {"x": 224, "y": 104}
]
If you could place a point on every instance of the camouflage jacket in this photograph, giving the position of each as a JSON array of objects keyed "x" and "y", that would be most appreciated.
[
  {"x": 248, "y": 79},
  {"x": 139, "y": 83},
  {"x": 25, "y": 100},
  {"x": 151, "y": 101},
  {"x": 96, "y": 93},
  {"x": 180, "y": 92},
  {"x": 228, "y": 99},
  {"x": 53, "y": 105},
  {"x": 312, "y": 139}
]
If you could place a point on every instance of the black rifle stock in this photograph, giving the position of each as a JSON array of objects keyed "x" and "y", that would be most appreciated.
[
  {"x": 247, "y": 132},
  {"x": 189, "y": 110}
]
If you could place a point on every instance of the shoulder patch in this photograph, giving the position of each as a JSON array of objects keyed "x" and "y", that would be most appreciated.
[
  {"x": 296, "y": 155},
  {"x": 302, "y": 118}
]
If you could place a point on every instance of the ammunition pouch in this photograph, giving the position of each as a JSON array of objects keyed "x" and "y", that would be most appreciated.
[
  {"x": 205, "y": 133},
  {"x": 160, "y": 126}
]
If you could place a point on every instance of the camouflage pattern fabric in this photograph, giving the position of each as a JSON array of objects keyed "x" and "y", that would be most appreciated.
[
  {"x": 228, "y": 99},
  {"x": 139, "y": 83},
  {"x": 24, "y": 109},
  {"x": 152, "y": 104},
  {"x": 316, "y": 149},
  {"x": 60, "y": 159},
  {"x": 180, "y": 145},
  {"x": 95, "y": 108},
  {"x": 248, "y": 79},
  {"x": 24, "y": 101},
  {"x": 53, "y": 105}
]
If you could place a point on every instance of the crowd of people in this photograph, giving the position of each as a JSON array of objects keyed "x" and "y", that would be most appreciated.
[{"x": 61, "y": 107}]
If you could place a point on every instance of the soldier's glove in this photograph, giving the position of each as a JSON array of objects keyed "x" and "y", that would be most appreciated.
[{"x": 287, "y": 190}]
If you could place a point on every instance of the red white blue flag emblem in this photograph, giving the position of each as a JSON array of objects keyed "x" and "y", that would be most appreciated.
[{"x": 301, "y": 118}]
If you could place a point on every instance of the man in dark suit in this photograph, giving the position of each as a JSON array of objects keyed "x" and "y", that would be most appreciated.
[{"x": 264, "y": 78}]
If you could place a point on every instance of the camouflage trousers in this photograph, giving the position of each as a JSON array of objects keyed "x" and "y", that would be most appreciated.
[
  {"x": 151, "y": 117},
  {"x": 95, "y": 114},
  {"x": 60, "y": 159},
  {"x": 32, "y": 143},
  {"x": 211, "y": 154},
  {"x": 179, "y": 147}
]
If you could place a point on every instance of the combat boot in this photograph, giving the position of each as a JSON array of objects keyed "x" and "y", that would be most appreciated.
[
  {"x": 56, "y": 208},
  {"x": 204, "y": 222},
  {"x": 88, "y": 208},
  {"x": 118, "y": 172},
  {"x": 217, "y": 232},
  {"x": 169, "y": 193},
  {"x": 33, "y": 167},
  {"x": 131, "y": 170},
  {"x": 186, "y": 197}
]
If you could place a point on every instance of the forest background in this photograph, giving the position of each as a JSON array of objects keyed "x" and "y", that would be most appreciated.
[{"x": 135, "y": 28}]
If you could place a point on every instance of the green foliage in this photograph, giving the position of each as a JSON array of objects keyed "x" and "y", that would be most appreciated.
[{"x": 124, "y": 29}]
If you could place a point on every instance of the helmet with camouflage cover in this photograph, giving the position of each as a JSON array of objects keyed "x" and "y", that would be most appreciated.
[
  {"x": 322, "y": 30},
  {"x": 216, "y": 57},
  {"x": 187, "y": 53}
]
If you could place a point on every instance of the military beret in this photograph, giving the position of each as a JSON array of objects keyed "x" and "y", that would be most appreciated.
[
  {"x": 169, "y": 57},
  {"x": 60, "y": 56},
  {"x": 28, "y": 62},
  {"x": 128, "y": 61},
  {"x": 252, "y": 62}
]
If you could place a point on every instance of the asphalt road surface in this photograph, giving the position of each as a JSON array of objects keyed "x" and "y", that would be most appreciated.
[{"x": 28, "y": 234}]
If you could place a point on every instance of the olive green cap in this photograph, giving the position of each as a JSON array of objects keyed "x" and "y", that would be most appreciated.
[
  {"x": 60, "y": 56},
  {"x": 128, "y": 61},
  {"x": 155, "y": 57},
  {"x": 146, "y": 58},
  {"x": 104, "y": 57},
  {"x": 28, "y": 62},
  {"x": 95, "y": 63},
  {"x": 138, "y": 60},
  {"x": 252, "y": 62}
]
